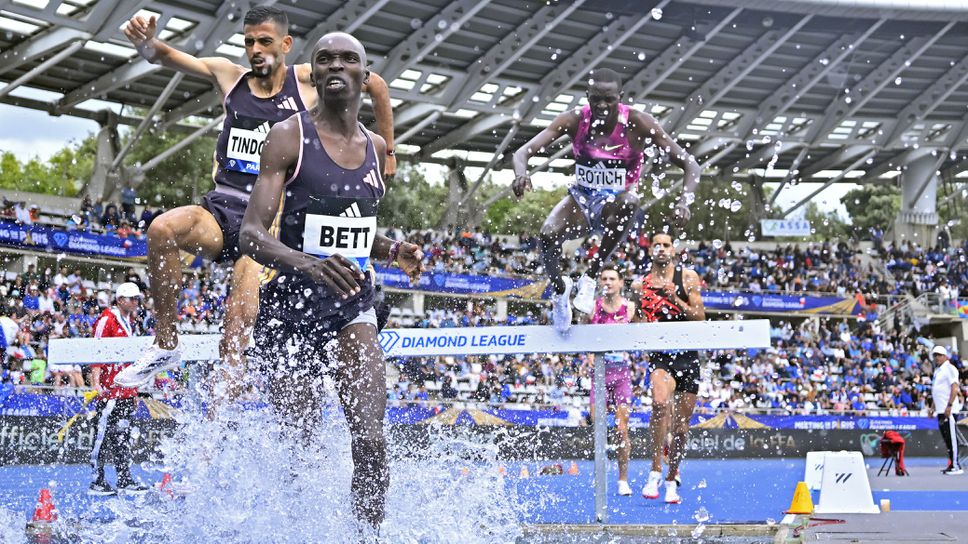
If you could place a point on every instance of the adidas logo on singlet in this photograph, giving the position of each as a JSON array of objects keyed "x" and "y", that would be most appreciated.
[
  {"x": 352, "y": 211},
  {"x": 263, "y": 128},
  {"x": 288, "y": 104}
]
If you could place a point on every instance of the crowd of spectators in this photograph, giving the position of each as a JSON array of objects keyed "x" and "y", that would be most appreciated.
[
  {"x": 66, "y": 303},
  {"x": 821, "y": 366}
]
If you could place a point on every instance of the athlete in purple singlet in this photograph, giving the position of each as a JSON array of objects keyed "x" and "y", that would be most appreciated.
[
  {"x": 609, "y": 140},
  {"x": 612, "y": 307}
]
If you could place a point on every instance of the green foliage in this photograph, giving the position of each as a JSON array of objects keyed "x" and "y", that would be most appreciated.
[
  {"x": 412, "y": 202},
  {"x": 826, "y": 225},
  {"x": 872, "y": 206},
  {"x": 510, "y": 215},
  {"x": 62, "y": 175},
  {"x": 182, "y": 178}
]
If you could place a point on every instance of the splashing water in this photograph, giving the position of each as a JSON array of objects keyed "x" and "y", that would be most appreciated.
[
  {"x": 12, "y": 527},
  {"x": 249, "y": 480}
]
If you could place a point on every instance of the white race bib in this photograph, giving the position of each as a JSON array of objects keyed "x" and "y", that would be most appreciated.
[
  {"x": 351, "y": 237},
  {"x": 600, "y": 176}
]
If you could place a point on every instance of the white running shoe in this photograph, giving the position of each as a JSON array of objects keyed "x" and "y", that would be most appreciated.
[
  {"x": 151, "y": 362},
  {"x": 623, "y": 489},
  {"x": 651, "y": 489},
  {"x": 561, "y": 308},
  {"x": 672, "y": 492},
  {"x": 953, "y": 471},
  {"x": 585, "y": 299}
]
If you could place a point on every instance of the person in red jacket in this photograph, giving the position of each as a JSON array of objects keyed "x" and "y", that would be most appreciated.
[{"x": 115, "y": 404}]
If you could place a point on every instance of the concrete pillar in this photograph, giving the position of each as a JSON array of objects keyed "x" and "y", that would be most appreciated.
[
  {"x": 501, "y": 310},
  {"x": 917, "y": 219},
  {"x": 104, "y": 182},
  {"x": 18, "y": 263},
  {"x": 418, "y": 304}
]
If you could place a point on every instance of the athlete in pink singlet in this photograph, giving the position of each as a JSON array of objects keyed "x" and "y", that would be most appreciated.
[
  {"x": 609, "y": 142},
  {"x": 614, "y": 308}
]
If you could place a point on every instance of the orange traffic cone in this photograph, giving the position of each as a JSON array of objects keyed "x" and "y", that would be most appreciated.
[
  {"x": 165, "y": 485},
  {"x": 524, "y": 472},
  {"x": 45, "y": 511},
  {"x": 573, "y": 469},
  {"x": 802, "y": 502}
]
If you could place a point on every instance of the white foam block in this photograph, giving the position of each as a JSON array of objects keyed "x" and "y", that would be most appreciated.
[
  {"x": 694, "y": 335},
  {"x": 813, "y": 472},
  {"x": 844, "y": 487}
]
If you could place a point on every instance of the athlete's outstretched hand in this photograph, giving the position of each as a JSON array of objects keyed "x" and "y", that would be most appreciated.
[
  {"x": 681, "y": 214},
  {"x": 339, "y": 274},
  {"x": 390, "y": 167},
  {"x": 520, "y": 185},
  {"x": 140, "y": 30},
  {"x": 410, "y": 260}
]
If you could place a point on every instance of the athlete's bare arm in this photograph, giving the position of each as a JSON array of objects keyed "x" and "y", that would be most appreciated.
[
  {"x": 222, "y": 72},
  {"x": 379, "y": 93},
  {"x": 565, "y": 123},
  {"x": 281, "y": 152},
  {"x": 409, "y": 256},
  {"x": 647, "y": 129}
]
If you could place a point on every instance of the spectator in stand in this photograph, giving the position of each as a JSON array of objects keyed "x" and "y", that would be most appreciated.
[
  {"x": 111, "y": 219},
  {"x": 31, "y": 298},
  {"x": 22, "y": 214},
  {"x": 129, "y": 197},
  {"x": 97, "y": 210}
]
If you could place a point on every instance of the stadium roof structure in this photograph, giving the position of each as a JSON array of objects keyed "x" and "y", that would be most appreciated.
[{"x": 798, "y": 90}]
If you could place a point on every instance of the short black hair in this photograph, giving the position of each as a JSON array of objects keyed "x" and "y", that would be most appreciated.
[
  {"x": 605, "y": 75},
  {"x": 262, "y": 14},
  {"x": 612, "y": 268}
]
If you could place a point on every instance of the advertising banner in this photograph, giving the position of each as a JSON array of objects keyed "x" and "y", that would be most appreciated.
[
  {"x": 776, "y": 303},
  {"x": 783, "y": 227},
  {"x": 57, "y": 241}
]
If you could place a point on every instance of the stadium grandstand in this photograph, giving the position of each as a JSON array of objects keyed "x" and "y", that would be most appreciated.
[{"x": 775, "y": 97}]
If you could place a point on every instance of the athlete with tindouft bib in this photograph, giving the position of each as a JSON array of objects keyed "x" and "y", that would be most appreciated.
[
  {"x": 612, "y": 307},
  {"x": 609, "y": 139},
  {"x": 255, "y": 99}
]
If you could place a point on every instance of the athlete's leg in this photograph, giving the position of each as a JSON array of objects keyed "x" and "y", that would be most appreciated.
[
  {"x": 188, "y": 228},
  {"x": 617, "y": 218},
  {"x": 663, "y": 390},
  {"x": 566, "y": 222},
  {"x": 624, "y": 446},
  {"x": 121, "y": 440},
  {"x": 241, "y": 310},
  {"x": 361, "y": 384},
  {"x": 685, "y": 404}
]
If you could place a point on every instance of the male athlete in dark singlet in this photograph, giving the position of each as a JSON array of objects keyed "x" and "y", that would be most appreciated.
[
  {"x": 608, "y": 141},
  {"x": 612, "y": 307},
  {"x": 254, "y": 100},
  {"x": 312, "y": 219},
  {"x": 670, "y": 293}
]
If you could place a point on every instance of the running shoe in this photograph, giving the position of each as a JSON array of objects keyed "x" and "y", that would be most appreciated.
[
  {"x": 672, "y": 492},
  {"x": 651, "y": 489},
  {"x": 101, "y": 489},
  {"x": 585, "y": 299},
  {"x": 152, "y": 361},
  {"x": 132, "y": 487},
  {"x": 623, "y": 489},
  {"x": 561, "y": 307},
  {"x": 953, "y": 471}
]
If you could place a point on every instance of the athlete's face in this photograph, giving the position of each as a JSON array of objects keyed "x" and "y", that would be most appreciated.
[
  {"x": 603, "y": 99},
  {"x": 610, "y": 282},
  {"x": 266, "y": 47},
  {"x": 339, "y": 66},
  {"x": 663, "y": 252}
]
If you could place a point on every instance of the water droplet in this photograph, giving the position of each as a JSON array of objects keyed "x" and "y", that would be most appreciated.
[
  {"x": 702, "y": 515},
  {"x": 825, "y": 61},
  {"x": 702, "y": 484},
  {"x": 656, "y": 13},
  {"x": 415, "y": 23},
  {"x": 737, "y": 186},
  {"x": 717, "y": 243},
  {"x": 735, "y": 206},
  {"x": 441, "y": 24},
  {"x": 898, "y": 80},
  {"x": 641, "y": 56}
]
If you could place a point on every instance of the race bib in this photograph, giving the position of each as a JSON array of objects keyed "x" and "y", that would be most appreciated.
[
  {"x": 247, "y": 136},
  {"x": 343, "y": 226},
  {"x": 601, "y": 174}
]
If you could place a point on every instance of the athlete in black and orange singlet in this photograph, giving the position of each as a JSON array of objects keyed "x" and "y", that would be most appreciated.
[{"x": 670, "y": 293}]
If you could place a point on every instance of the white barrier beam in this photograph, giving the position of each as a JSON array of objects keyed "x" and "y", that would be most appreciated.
[{"x": 693, "y": 335}]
